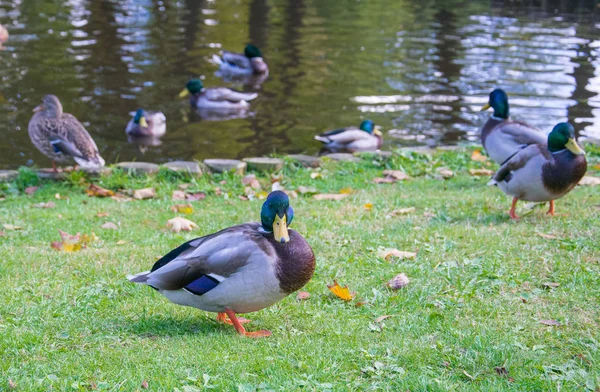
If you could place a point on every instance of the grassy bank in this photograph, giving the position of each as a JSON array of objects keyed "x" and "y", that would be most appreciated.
[{"x": 468, "y": 320}]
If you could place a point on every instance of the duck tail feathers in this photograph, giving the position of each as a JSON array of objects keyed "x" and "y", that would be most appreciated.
[
  {"x": 322, "y": 139},
  {"x": 93, "y": 163},
  {"x": 217, "y": 59},
  {"x": 141, "y": 278},
  {"x": 492, "y": 182}
]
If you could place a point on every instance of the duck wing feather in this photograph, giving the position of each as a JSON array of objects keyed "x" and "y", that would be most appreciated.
[{"x": 227, "y": 94}]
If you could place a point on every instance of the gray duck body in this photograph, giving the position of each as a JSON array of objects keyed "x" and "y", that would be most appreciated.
[{"x": 502, "y": 138}]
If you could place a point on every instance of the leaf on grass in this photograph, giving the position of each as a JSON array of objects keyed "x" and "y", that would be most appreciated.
[
  {"x": 251, "y": 181},
  {"x": 381, "y": 318},
  {"x": 121, "y": 198},
  {"x": 550, "y": 284},
  {"x": 102, "y": 214},
  {"x": 388, "y": 253},
  {"x": 12, "y": 384},
  {"x": 303, "y": 190},
  {"x": 142, "y": 194},
  {"x": 428, "y": 214},
  {"x": 552, "y": 323},
  {"x": 2, "y": 234},
  {"x": 445, "y": 172},
  {"x": 49, "y": 204},
  {"x": 121, "y": 242},
  {"x": 302, "y": 295},
  {"x": 97, "y": 191},
  {"x": 11, "y": 227},
  {"x": 330, "y": 196},
  {"x": 590, "y": 180},
  {"x": 57, "y": 196},
  {"x": 368, "y": 206},
  {"x": 391, "y": 176},
  {"x": 30, "y": 190},
  {"x": 341, "y": 292},
  {"x": 481, "y": 172},
  {"x": 381, "y": 180},
  {"x": 181, "y": 195},
  {"x": 291, "y": 194},
  {"x": 546, "y": 236},
  {"x": 315, "y": 175},
  {"x": 397, "y": 282},
  {"x": 346, "y": 191},
  {"x": 178, "y": 224},
  {"x": 68, "y": 243},
  {"x": 261, "y": 195},
  {"x": 468, "y": 375},
  {"x": 403, "y": 211},
  {"x": 178, "y": 195},
  {"x": 478, "y": 157},
  {"x": 145, "y": 384},
  {"x": 110, "y": 226},
  {"x": 183, "y": 208}
]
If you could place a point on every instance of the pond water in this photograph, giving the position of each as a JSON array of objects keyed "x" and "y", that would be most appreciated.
[{"x": 420, "y": 69}]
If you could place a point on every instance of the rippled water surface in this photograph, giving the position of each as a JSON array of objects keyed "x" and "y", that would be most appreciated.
[{"x": 420, "y": 69}]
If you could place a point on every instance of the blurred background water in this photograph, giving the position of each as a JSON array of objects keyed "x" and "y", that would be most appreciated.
[{"x": 421, "y": 69}]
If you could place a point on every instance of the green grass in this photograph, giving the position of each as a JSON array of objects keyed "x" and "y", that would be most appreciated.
[{"x": 71, "y": 321}]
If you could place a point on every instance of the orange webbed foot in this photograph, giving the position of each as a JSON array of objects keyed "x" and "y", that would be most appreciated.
[
  {"x": 223, "y": 318},
  {"x": 551, "y": 209},
  {"x": 240, "y": 328}
]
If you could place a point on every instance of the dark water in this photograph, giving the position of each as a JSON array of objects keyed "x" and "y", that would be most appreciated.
[{"x": 421, "y": 69}]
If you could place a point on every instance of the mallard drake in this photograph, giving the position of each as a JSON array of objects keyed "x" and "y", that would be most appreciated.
[
  {"x": 249, "y": 62},
  {"x": 543, "y": 171},
  {"x": 502, "y": 137},
  {"x": 218, "y": 98},
  {"x": 3, "y": 34},
  {"x": 146, "y": 123},
  {"x": 61, "y": 137},
  {"x": 241, "y": 269},
  {"x": 364, "y": 138}
]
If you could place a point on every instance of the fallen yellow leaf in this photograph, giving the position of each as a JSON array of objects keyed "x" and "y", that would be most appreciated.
[
  {"x": 547, "y": 236},
  {"x": 368, "y": 206},
  {"x": 346, "y": 191},
  {"x": 97, "y": 191},
  {"x": 178, "y": 224},
  {"x": 146, "y": 193},
  {"x": 315, "y": 175},
  {"x": 341, "y": 292},
  {"x": 261, "y": 195},
  {"x": 11, "y": 227},
  {"x": 68, "y": 243},
  {"x": 481, "y": 172},
  {"x": 388, "y": 253},
  {"x": 183, "y": 208},
  {"x": 478, "y": 157}
]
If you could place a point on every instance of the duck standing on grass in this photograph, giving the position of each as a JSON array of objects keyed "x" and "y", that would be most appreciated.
[
  {"x": 247, "y": 63},
  {"x": 364, "y": 138},
  {"x": 147, "y": 124},
  {"x": 61, "y": 137},
  {"x": 241, "y": 269},
  {"x": 543, "y": 172},
  {"x": 215, "y": 98},
  {"x": 502, "y": 137}
]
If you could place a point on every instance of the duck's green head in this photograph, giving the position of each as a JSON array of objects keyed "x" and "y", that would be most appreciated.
[
  {"x": 563, "y": 136},
  {"x": 194, "y": 86},
  {"x": 499, "y": 102},
  {"x": 252, "y": 51},
  {"x": 369, "y": 127},
  {"x": 276, "y": 215},
  {"x": 140, "y": 118}
]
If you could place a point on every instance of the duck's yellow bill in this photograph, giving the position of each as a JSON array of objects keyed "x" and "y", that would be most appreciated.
[
  {"x": 143, "y": 122},
  {"x": 377, "y": 132},
  {"x": 184, "y": 93},
  {"x": 485, "y": 107},
  {"x": 280, "y": 230},
  {"x": 38, "y": 108},
  {"x": 574, "y": 147}
]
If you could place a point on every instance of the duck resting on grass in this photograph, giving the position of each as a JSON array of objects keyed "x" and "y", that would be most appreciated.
[
  {"x": 241, "y": 269},
  {"x": 61, "y": 137},
  {"x": 366, "y": 137},
  {"x": 543, "y": 172},
  {"x": 147, "y": 124},
  {"x": 502, "y": 137},
  {"x": 247, "y": 63},
  {"x": 216, "y": 98}
]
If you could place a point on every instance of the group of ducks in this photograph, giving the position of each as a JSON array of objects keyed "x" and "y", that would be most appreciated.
[{"x": 248, "y": 267}]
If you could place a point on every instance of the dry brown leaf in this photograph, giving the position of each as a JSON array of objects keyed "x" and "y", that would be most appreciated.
[
  {"x": 12, "y": 384},
  {"x": 551, "y": 284},
  {"x": 73, "y": 243},
  {"x": 11, "y": 227},
  {"x": 381, "y": 318},
  {"x": 403, "y": 211},
  {"x": 428, "y": 214},
  {"x": 552, "y": 323},
  {"x": 49, "y": 204},
  {"x": 178, "y": 224},
  {"x": 145, "y": 384},
  {"x": 302, "y": 295},
  {"x": 102, "y": 214},
  {"x": 546, "y": 236},
  {"x": 142, "y": 194},
  {"x": 368, "y": 206},
  {"x": 397, "y": 282},
  {"x": 341, "y": 292},
  {"x": 242, "y": 197},
  {"x": 121, "y": 242},
  {"x": 251, "y": 180},
  {"x": 291, "y": 194},
  {"x": 178, "y": 195},
  {"x": 195, "y": 196},
  {"x": 30, "y": 190},
  {"x": 388, "y": 253},
  {"x": 380, "y": 180},
  {"x": 121, "y": 198},
  {"x": 97, "y": 191},
  {"x": 183, "y": 208},
  {"x": 481, "y": 172},
  {"x": 501, "y": 371},
  {"x": 590, "y": 180},
  {"x": 330, "y": 196},
  {"x": 184, "y": 186},
  {"x": 396, "y": 174},
  {"x": 110, "y": 226},
  {"x": 445, "y": 172},
  {"x": 478, "y": 157},
  {"x": 2, "y": 234}
]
